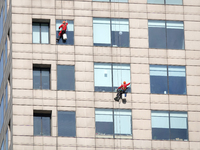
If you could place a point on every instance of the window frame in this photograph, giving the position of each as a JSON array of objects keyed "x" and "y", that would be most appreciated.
[
  {"x": 115, "y": 135},
  {"x": 167, "y": 66},
  {"x": 112, "y": 77},
  {"x": 40, "y": 25},
  {"x": 165, "y": 3},
  {"x": 169, "y": 118},
  {"x": 166, "y": 33},
  {"x": 110, "y": 20},
  {"x": 42, "y": 114},
  {"x": 41, "y": 67}
]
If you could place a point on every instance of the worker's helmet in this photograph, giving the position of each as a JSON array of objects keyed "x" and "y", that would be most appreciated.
[
  {"x": 124, "y": 82},
  {"x": 63, "y": 22}
]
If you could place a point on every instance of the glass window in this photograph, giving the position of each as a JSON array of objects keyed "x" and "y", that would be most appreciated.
[
  {"x": 5, "y": 10},
  {"x": 170, "y": 2},
  {"x": 41, "y": 78},
  {"x": 111, "y": 32},
  {"x": 67, "y": 123},
  {"x": 1, "y": 69},
  {"x": 6, "y": 52},
  {"x": 120, "y": 32},
  {"x": 167, "y": 79},
  {"x": 42, "y": 124},
  {"x": 111, "y": 123},
  {"x": 2, "y": 112},
  {"x": 166, "y": 34},
  {"x": 65, "y": 77},
  {"x": 2, "y": 145},
  {"x": 169, "y": 125},
  {"x": 109, "y": 76},
  {"x": 69, "y": 32},
  {"x": 40, "y": 32}
]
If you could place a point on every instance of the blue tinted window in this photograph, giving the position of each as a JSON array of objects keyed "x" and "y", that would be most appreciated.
[
  {"x": 1, "y": 69},
  {"x": 111, "y": 32},
  {"x": 2, "y": 112},
  {"x": 40, "y": 33},
  {"x": 169, "y": 125},
  {"x": 66, "y": 123},
  {"x": 6, "y": 52},
  {"x": 65, "y": 77},
  {"x": 167, "y": 79},
  {"x": 69, "y": 32},
  {"x": 42, "y": 124},
  {"x": 113, "y": 122},
  {"x": 108, "y": 77},
  {"x": 41, "y": 78},
  {"x": 170, "y": 2},
  {"x": 166, "y": 34}
]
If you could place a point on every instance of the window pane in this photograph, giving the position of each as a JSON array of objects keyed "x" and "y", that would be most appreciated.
[
  {"x": 36, "y": 32},
  {"x": 104, "y": 121},
  {"x": 160, "y": 125},
  {"x": 46, "y": 125},
  {"x": 156, "y": 1},
  {"x": 175, "y": 35},
  {"x": 36, "y": 78},
  {"x": 177, "y": 80},
  {"x": 69, "y": 32},
  {"x": 157, "y": 34},
  {"x": 123, "y": 122},
  {"x": 178, "y": 125},
  {"x": 65, "y": 77},
  {"x": 44, "y": 33},
  {"x": 66, "y": 123},
  {"x": 121, "y": 72},
  {"x": 102, "y": 77},
  {"x": 101, "y": 32},
  {"x": 37, "y": 125},
  {"x": 158, "y": 79},
  {"x": 175, "y": 2},
  {"x": 120, "y": 32},
  {"x": 45, "y": 79}
]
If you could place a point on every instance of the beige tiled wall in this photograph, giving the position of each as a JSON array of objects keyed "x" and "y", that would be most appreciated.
[{"x": 83, "y": 55}]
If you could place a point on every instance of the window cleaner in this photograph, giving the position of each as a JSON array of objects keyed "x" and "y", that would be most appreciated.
[
  {"x": 121, "y": 92},
  {"x": 62, "y": 32}
]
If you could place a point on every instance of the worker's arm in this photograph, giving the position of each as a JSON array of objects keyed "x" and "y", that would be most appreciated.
[
  {"x": 60, "y": 26},
  {"x": 128, "y": 84},
  {"x": 119, "y": 87}
]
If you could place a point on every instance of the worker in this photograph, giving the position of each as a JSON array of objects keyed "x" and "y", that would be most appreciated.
[
  {"x": 64, "y": 28},
  {"x": 120, "y": 90}
]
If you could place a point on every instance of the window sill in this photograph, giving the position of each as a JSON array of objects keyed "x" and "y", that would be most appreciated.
[{"x": 116, "y": 136}]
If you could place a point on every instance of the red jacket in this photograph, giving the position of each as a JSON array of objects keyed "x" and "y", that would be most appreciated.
[
  {"x": 64, "y": 27},
  {"x": 123, "y": 86}
]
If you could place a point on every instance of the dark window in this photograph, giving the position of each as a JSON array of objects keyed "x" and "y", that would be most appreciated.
[
  {"x": 166, "y": 34},
  {"x": 42, "y": 123},
  {"x": 169, "y": 125},
  {"x": 108, "y": 77},
  {"x": 66, "y": 123},
  {"x": 111, "y": 32},
  {"x": 170, "y": 2},
  {"x": 167, "y": 79},
  {"x": 41, "y": 78},
  {"x": 65, "y": 77},
  {"x": 69, "y": 32},
  {"x": 113, "y": 122},
  {"x": 40, "y": 32}
]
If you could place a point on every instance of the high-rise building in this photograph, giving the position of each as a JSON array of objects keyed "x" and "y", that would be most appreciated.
[{"x": 59, "y": 94}]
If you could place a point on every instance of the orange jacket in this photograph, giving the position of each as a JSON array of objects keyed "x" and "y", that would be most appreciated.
[{"x": 123, "y": 86}]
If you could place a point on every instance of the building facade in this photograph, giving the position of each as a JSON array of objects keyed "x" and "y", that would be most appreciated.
[{"x": 59, "y": 95}]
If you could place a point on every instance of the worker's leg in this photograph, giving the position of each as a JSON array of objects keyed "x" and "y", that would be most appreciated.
[{"x": 59, "y": 35}]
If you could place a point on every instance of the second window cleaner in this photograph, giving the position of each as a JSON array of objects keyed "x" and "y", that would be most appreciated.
[{"x": 62, "y": 32}]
